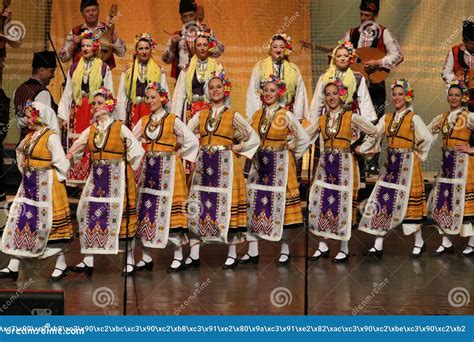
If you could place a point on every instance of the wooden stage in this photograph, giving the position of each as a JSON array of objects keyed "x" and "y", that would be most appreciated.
[{"x": 394, "y": 285}]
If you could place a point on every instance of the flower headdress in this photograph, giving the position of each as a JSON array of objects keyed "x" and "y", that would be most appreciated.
[
  {"x": 92, "y": 36},
  {"x": 145, "y": 37},
  {"x": 278, "y": 81},
  {"x": 110, "y": 101},
  {"x": 407, "y": 88},
  {"x": 220, "y": 74},
  {"x": 461, "y": 85},
  {"x": 211, "y": 39},
  {"x": 350, "y": 48},
  {"x": 164, "y": 96},
  {"x": 34, "y": 116},
  {"x": 342, "y": 89},
  {"x": 287, "y": 39}
]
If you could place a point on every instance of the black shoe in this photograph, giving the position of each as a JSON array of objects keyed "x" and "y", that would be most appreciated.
[
  {"x": 193, "y": 263},
  {"x": 82, "y": 269},
  {"x": 251, "y": 259},
  {"x": 233, "y": 265},
  {"x": 322, "y": 254},
  {"x": 377, "y": 253},
  {"x": 445, "y": 250},
  {"x": 62, "y": 275},
  {"x": 179, "y": 268},
  {"x": 417, "y": 255},
  {"x": 338, "y": 261},
  {"x": 147, "y": 266},
  {"x": 129, "y": 273},
  {"x": 470, "y": 254},
  {"x": 10, "y": 274},
  {"x": 283, "y": 263}
]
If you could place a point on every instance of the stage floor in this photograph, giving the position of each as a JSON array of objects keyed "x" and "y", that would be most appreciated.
[{"x": 391, "y": 286}]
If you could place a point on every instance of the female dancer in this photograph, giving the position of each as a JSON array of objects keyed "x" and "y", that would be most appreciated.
[
  {"x": 333, "y": 195},
  {"x": 145, "y": 70},
  {"x": 84, "y": 78},
  {"x": 162, "y": 192},
  {"x": 273, "y": 194},
  {"x": 399, "y": 194},
  {"x": 218, "y": 198},
  {"x": 102, "y": 210},
  {"x": 451, "y": 202},
  {"x": 39, "y": 217}
]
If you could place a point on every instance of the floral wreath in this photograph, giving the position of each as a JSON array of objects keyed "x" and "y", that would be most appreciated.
[
  {"x": 407, "y": 88},
  {"x": 341, "y": 87},
  {"x": 462, "y": 86},
  {"x": 164, "y": 96},
  {"x": 92, "y": 36},
  {"x": 287, "y": 39},
  {"x": 146, "y": 37},
  {"x": 220, "y": 74},
  {"x": 350, "y": 48},
  {"x": 35, "y": 116},
  {"x": 110, "y": 101},
  {"x": 211, "y": 39},
  {"x": 278, "y": 81}
]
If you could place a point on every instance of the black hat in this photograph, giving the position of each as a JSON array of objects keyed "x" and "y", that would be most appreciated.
[
  {"x": 468, "y": 30},
  {"x": 44, "y": 59},
  {"x": 370, "y": 6},
  {"x": 187, "y": 6},
  {"x": 87, "y": 3}
]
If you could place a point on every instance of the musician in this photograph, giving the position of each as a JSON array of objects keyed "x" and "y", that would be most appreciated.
[
  {"x": 461, "y": 58},
  {"x": 180, "y": 47},
  {"x": 90, "y": 13},
  {"x": 376, "y": 36},
  {"x": 35, "y": 88}
]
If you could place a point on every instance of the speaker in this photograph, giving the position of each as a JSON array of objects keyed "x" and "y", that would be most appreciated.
[{"x": 31, "y": 302}]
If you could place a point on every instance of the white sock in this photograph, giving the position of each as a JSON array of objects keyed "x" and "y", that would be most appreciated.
[
  {"x": 419, "y": 239},
  {"x": 344, "y": 248},
  {"x": 445, "y": 243},
  {"x": 13, "y": 266},
  {"x": 178, "y": 255},
  {"x": 146, "y": 257},
  {"x": 60, "y": 265},
  {"x": 378, "y": 245},
  {"x": 231, "y": 255},
  {"x": 323, "y": 247},
  {"x": 88, "y": 261},
  {"x": 253, "y": 250},
  {"x": 193, "y": 253},
  {"x": 468, "y": 249},
  {"x": 285, "y": 247}
]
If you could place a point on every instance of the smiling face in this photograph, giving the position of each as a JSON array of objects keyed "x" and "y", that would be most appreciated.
[
  {"x": 332, "y": 97},
  {"x": 201, "y": 48},
  {"x": 153, "y": 100},
  {"x": 216, "y": 90},
  {"x": 398, "y": 98},
  {"x": 341, "y": 58},
  {"x": 270, "y": 93},
  {"x": 455, "y": 97},
  {"x": 87, "y": 49},
  {"x": 143, "y": 50},
  {"x": 277, "y": 49},
  {"x": 98, "y": 103}
]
